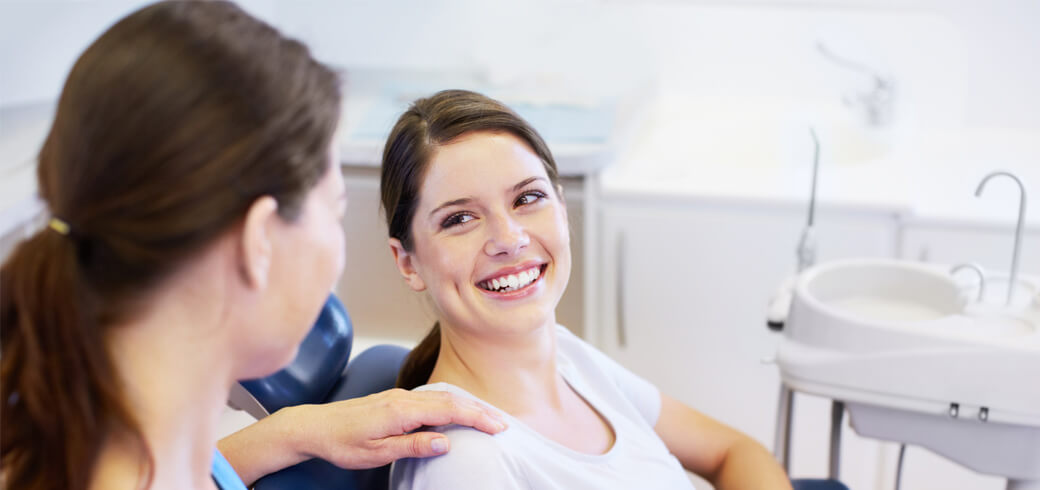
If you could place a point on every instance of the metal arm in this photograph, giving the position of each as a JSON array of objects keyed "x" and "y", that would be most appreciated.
[{"x": 1018, "y": 227}]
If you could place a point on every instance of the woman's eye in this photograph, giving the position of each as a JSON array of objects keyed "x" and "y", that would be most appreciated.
[
  {"x": 529, "y": 198},
  {"x": 456, "y": 219}
]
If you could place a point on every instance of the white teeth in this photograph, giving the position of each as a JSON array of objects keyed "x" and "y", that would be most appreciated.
[{"x": 512, "y": 282}]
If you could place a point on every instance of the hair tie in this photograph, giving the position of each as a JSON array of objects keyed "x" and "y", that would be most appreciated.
[{"x": 59, "y": 226}]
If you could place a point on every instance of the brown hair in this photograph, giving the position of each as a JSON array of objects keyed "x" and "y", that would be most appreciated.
[
  {"x": 427, "y": 124},
  {"x": 170, "y": 125}
]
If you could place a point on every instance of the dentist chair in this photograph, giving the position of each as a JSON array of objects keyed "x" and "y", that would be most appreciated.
[{"x": 320, "y": 374}]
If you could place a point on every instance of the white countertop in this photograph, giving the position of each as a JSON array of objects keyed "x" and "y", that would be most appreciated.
[
  {"x": 691, "y": 149},
  {"x": 582, "y": 131}
]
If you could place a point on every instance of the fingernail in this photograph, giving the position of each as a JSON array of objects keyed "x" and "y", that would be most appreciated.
[
  {"x": 500, "y": 422},
  {"x": 439, "y": 445}
]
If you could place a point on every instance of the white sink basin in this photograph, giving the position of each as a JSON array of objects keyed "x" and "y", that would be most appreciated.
[
  {"x": 885, "y": 292},
  {"x": 902, "y": 341}
]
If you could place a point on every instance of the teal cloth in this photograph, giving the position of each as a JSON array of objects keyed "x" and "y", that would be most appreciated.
[{"x": 224, "y": 475}]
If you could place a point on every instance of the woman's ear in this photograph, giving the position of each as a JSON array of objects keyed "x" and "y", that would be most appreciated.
[
  {"x": 257, "y": 250},
  {"x": 406, "y": 265}
]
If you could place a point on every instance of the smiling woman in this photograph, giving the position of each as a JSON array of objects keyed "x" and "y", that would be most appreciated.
[
  {"x": 416, "y": 144},
  {"x": 477, "y": 221}
]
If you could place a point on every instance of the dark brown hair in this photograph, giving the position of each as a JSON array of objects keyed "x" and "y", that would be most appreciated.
[
  {"x": 170, "y": 125},
  {"x": 427, "y": 124}
]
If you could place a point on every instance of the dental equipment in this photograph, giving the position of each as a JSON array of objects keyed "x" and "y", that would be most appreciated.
[
  {"x": 1013, "y": 282},
  {"x": 806, "y": 252}
]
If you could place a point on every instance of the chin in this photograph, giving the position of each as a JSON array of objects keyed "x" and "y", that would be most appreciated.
[
  {"x": 526, "y": 322},
  {"x": 270, "y": 361}
]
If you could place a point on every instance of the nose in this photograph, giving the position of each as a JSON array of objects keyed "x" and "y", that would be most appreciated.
[{"x": 506, "y": 236}]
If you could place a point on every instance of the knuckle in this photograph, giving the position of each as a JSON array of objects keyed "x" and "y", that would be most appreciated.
[{"x": 416, "y": 445}]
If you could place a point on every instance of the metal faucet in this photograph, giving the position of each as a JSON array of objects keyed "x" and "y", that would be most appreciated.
[
  {"x": 879, "y": 101},
  {"x": 1018, "y": 228}
]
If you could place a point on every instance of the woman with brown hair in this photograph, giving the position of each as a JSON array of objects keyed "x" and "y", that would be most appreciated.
[
  {"x": 477, "y": 220},
  {"x": 196, "y": 210}
]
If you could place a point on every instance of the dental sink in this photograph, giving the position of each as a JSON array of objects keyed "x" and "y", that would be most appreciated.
[
  {"x": 917, "y": 358},
  {"x": 885, "y": 292}
]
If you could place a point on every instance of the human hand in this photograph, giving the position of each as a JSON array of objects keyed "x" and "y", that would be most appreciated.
[{"x": 375, "y": 430}]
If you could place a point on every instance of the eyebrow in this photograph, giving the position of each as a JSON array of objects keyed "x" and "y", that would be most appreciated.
[
  {"x": 525, "y": 182},
  {"x": 466, "y": 200},
  {"x": 450, "y": 203}
]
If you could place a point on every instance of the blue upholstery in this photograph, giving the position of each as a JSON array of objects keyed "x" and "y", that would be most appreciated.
[
  {"x": 809, "y": 484},
  {"x": 320, "y": 374}
]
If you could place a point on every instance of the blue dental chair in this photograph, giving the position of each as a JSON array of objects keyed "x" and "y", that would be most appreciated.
[{"x": 320, "y": 374}]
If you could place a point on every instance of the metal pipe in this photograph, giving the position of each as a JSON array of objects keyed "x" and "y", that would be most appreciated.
[
  {"x": 837, "y": 411},
  {"x": 1018, "y": 228},
  {"x": 782, "y": 437}
]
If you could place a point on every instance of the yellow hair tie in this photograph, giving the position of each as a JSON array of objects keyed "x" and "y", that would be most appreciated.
[{"x": 58, "y": 226}]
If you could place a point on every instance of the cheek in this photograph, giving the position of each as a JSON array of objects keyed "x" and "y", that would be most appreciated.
[
  {"x": 337, "y": 248},
  {"x": 555, "y": 229},
  {"x": 446, "y": 264},
  {"x": 452, "y": 264}
]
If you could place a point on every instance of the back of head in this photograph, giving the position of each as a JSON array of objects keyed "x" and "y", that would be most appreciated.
[
  {"x": 170, "y": 125},
  {"x": 428, "y": 123}
]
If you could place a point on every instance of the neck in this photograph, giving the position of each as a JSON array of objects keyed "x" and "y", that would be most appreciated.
[
  {"x": 175, "y": 382},
  {"x": 517, "y": 372}
]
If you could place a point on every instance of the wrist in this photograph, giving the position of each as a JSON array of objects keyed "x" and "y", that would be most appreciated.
[{"x": 290, "y": 424}]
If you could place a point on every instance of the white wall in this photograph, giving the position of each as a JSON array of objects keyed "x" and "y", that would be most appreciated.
[
  {"x": 41, "y": 39},
  {"x": 955, "y": 63}
]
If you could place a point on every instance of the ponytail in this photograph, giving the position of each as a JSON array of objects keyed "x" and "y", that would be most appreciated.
[
  {"x": 198, "y": 94},
  {"x": 58, "y": 386},
  {"x": 418, "y": 366}
]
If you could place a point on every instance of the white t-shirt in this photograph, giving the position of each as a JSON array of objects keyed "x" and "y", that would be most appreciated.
[{"x": 521, "y": 458}]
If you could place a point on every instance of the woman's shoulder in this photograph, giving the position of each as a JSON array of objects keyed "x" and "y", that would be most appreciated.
[{"x": 474, "y": 460}]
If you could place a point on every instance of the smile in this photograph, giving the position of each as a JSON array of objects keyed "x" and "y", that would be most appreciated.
[{"x": 512, "y": 282}]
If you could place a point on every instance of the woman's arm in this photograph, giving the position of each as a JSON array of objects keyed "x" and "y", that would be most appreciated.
[
  {"x": 726, "y": 457},
  {"x": 358, "y": 433}
]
